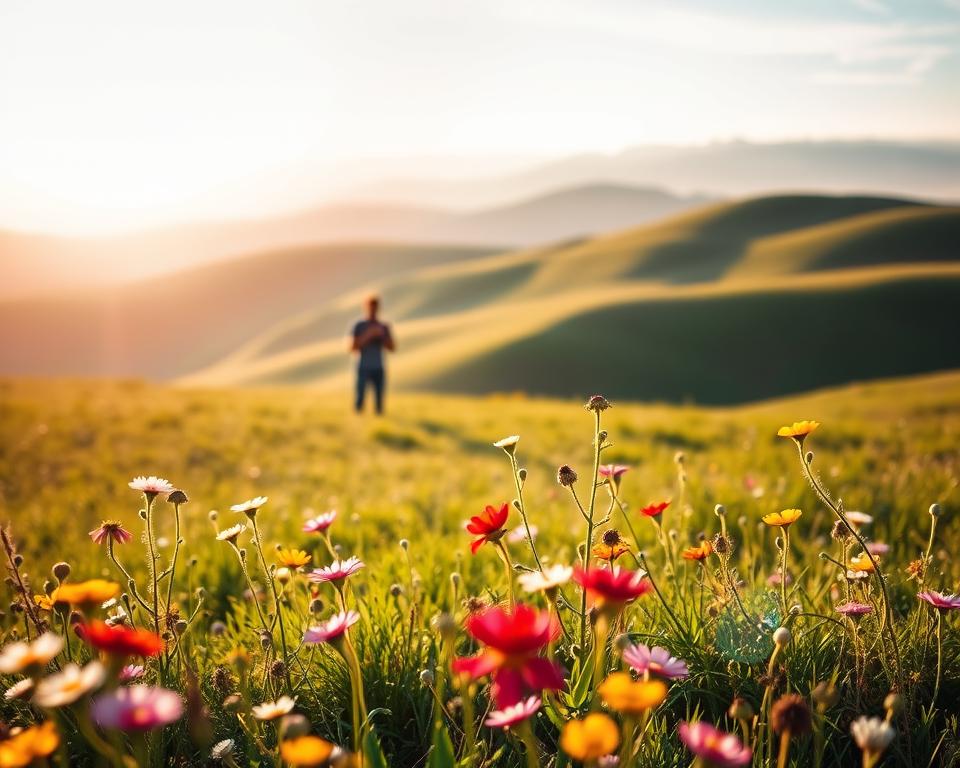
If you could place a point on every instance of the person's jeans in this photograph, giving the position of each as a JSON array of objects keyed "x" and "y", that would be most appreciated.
[{"x": 366, "y": 376}]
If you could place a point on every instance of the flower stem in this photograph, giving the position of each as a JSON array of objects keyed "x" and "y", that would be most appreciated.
[
  {"x": 588, "y": 542},
  {"x": 530, "y": 742},
  {"x": 153, "y": 563},
  {"x": 523, "y": 510},
  {"x": 936, "y": 685}
]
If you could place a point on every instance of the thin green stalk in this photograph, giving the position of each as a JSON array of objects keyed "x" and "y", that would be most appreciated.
[
  {"x": 277, "y": 606},
  {"x": 176, "y": 552},
  {"x": 588, "y": 542},
  {"x": 936, "y": 686},
  {"x": 523, "y": 510},
  {"x": 530, "y": 742},
  {"x": 153, "y": 563}
]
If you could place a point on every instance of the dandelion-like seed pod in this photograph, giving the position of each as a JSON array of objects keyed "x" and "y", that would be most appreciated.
[
  {"x": 597, "y": 404},
  {"x": 566, "y": 475},
  {"x": 791, "y": 714}
]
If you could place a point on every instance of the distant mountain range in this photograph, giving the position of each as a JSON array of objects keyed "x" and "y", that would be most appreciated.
[
  {"x": 728, "y": 303},
  {"x": 30, "y": 264}
]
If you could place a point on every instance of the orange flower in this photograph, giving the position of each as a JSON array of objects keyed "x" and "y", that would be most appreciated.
[
  {"x": 611, "y": 546},
  {"x": 783, "y": 519},
  {"x": 306, "y": 751},
  {"x": 593, "y": 737},
  {"x": 861, "y": 563},
  {"x": 632, "y": 697},
  {"x": 92, "y": 592},
  {"x": 798, "y": 430},
  {"x": 700, "y": 553},
  {"x": 293, "y": 558},
  {"x": 32, "y": 744}
]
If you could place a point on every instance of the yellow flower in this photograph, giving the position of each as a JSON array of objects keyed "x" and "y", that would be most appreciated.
[
  {"x": 861, "y": 563},
  {"x": 798, "y": 430},
  {"x": 306, "y": 751},
  {"x": 698, "y": 553},
  {"x": 783, "y": 519},
  {"x": 92, "y": 592},
  {"x": 632, "y": 697},
  {"x": 32, "y": 744},
  {"x": 293, "y": 558},
  {"x": 610, "y": 551},
  {"x": 588, "y": 739},
  {"x": 43, "y": 602}
]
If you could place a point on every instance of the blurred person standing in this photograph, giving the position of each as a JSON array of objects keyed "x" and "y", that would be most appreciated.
[{"x": 370, "y": 338}]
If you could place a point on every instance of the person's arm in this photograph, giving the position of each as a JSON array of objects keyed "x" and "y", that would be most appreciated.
[
  {"x": 388, "y": 341},
  {"x": 360, "y": 340}
]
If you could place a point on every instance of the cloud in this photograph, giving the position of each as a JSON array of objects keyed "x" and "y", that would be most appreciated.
[{"x": 872, "y": 6}]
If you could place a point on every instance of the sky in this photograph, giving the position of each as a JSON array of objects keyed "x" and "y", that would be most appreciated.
[{"x": 118, "y": 114}]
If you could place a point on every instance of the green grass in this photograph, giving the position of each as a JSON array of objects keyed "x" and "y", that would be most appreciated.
[{"x": 67, "y": 450}]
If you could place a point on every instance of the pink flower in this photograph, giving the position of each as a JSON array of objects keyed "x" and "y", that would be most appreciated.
[
  {"x": 337, "y": 570},
  {"x": 332, "y": 628},
  {"x": 854, "y": 609},
  {"x": 131, "y": 672},
  {"x": 110, "y": 529},
  {"x": 940, "y": 601},
  {"x": 877, "y": 548},
  {"x": 773, "y": 579},
  {"x": 716, "y": 748},
  {"x": 613, "y": 470},
  {"x": 614, "y": 586},
  {"x": 503, "y": 718},
  {"x": 519, "y": 534},
  {"x": 137, "y": 708},
  {"x": 152, "y": 485},
  {"x": 320, "y": 523},
  {"x": 657, "y": 661}
]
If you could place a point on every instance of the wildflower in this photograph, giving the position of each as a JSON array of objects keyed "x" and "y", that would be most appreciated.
[
  {"x": 825, "y": 694},
  {"x": 632, "y": 697},
  {"x": 122, "y": 641},
  {"x": 654, "y": 660},
  {"x": 597, "y": 404},
  {"x": 332, "y": 628},
  {"x": 740, "y": 709},
  {"x": 519, "y": 534},
  {"x": 915, "y": 569},
  {"x": 91, "y": 592},
  {"x": 137, "y": 708},
  {"x": 223, "y": 749},
  {"x": 655, "y": 510},
  {"x": 613, "y": 471},
  {"x": 151, "y": 486},
  {"x": 611, "y": 546},
  {"x": 338, "y": 570},
  {"x": 873, "y": 736},
  {"x": 68, "y": 685},
  {"x": 853, "y": 609},
  {"x": 271, "y": 710},
  {"x": 566, "y": 475},
  {"x": 774, "y": 579},
  {"x": 858, "y": 518},
  {"x": 230, "y": 534},
  {"x": 306, "y": 751},
  {"x": 790, "y": 714},
  {"x": 320, "y": 523},
  {"x": 509, "y": 443},
  {"x": 27, "y": 746},
  {"x": 877, "y": 548},
  {"x": 714, "y": 747},
  {"x": 862, "y": 563},
  {"x": 131, "y": 672},
  {"x": 782, "y": 636},
  {"x": 43, "y": 602},
  {"x": 698, "y": 553},
  {"x": 512, "y": 641},
  {"x": 853, "y": 575},
  {"x": 940, "y": 601},
  {"x": 798, "y": 430},
  {"x": 110, "y": 529},
  {"x": 250, "y": 506},
  {"x": 722, "y": 545},
  {"x": 612, "y": 586},
  {"x": 488, "y": 525},
  {"x": 544, "y": 581},
  {"x": 19, "y": 690},
  {"x": 782, "y": 519},
  {"x": 503, "y": 718},
  {"x": 293, "y": 558},
  {"x": 840, "y": 532},
  {"x": 22, "y": 656},
  {"x": 594, "y": 737}
]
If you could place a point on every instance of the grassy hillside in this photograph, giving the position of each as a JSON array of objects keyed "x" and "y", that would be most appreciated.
[{"x": 713, "y": 305}]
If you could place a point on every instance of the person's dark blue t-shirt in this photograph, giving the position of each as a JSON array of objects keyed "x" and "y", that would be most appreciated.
[{"x": 371, "y": 354}]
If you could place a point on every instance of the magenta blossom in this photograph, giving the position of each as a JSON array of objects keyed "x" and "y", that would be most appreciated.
[
  {"x": 320, "y": 523},
  {"x": 137, "y": 708},
  {"x": 853, "y": 609},
  {"x": 716, "y": 748},
  {"x": 613, "y": 470},
  {"x": 517, "y": 713},
  {"x": 656, "y": 661},
  {"x": 332, "y": 628},
  {"x": 131, "y": 672},
  {"x": 940, "y": 601},
  {"x": 338, "y": 570},
  {"x": 877, "y": 548},
  {"x": 112, "y": 530}
]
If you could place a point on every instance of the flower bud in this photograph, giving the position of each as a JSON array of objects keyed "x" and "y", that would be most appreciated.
[
  {"x": 426, "y": 677},
  {"x": 623, "y": 641},
  {"x": 809, "y": 457},
  {"x": 233, "y": 703},
  {"x": 212, "y": 514},
  {"x": 178, "y": 497},
  {"x": 893, "y": 704},
  {"x": 180, "y": 626},
  {"x": 522, "y": 474},
  {"x": 396, "y": 590},
  {"x": 316, "y": 605},
  {"x": 294, "y": 725},
  {"x": 404, "y": 545},
  {"x": 679, "y": 457},
  {"x": 455, "y": 579},
  {"x": 740, "y": 709},
  {"x": 61, "y": 570},
  {"x": 825, "y": 694},
  {"x": 597, "y": 404},
  {"x": 719, "y": 510},
  {"x": 445, "y": 625},
  {"x": 935, "y": 510},
  {"x": 218, "y": 628},
  {"x": 782, "y": 636},
  {"x": 265, "y": 640},
  {"x": 283, "y": 575}
]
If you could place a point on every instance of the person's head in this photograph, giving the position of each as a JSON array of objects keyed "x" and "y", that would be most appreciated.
[{"x": 373, "y": 306}]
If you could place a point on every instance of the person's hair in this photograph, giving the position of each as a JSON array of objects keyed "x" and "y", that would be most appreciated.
[{"x": 372, "y": 300}]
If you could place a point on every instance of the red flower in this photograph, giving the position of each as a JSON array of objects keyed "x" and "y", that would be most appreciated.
[
  {"x": 511, "y": 657},
  {"x": 121, "y": 641},
  {"x": 654, "y": 510},
  {"x": 488, "y": 525},
  {"x": 614, "y": 586}
]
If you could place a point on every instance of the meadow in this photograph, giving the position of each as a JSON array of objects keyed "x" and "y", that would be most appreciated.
[{"x": 403, "y": 488}]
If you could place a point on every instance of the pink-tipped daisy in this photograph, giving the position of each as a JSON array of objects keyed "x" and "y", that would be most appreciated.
[
  {"x": 877, "y": 548},
  {"x": 713, "y": 746},
  {"x": 137, "y": 708},
  {"x": 131, "y": 672},
  {"x": 516, "y": 713},
  {"x": 613, "y": 471},
  {"x": 152, "y": 485},
  {"x": 940, "y": 601},
  {"x": 112, "y": 530},
  {"x": 853, "y": 609},
  {"x": 320, "y": 523},
  {"x": 271, "y": 710},
  {"x": 250, "y": 506},
  {"x": 656, "y": 661},
  {"x": 337, "y": 570},
  {"x": 332, "y": 628}
]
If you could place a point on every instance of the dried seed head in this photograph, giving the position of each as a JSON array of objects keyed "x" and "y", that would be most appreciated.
[
  {"x": 597, "y": 404},
  {"x": 316, "y": 605},
  {"x": 61, "y": 570},
  {"x": 840, "y": 532},
  {"x": 612, "y": 537},
  {"x": 178, "y": 497},
  {"x": 722, "y": 545},
  {"x": 566, "y": 475},
  {"x": 791, "y": 714},
  {"x": 222, "y": 680},
  {"x": 474, "y": 604},
  {"x": 277, "y": 669},
  {"x": 396, "y": 590},
  {"x": 427, "y": 678}
]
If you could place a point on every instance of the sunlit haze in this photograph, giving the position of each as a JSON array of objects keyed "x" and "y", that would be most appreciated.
[{"x": 115, "y": 115}]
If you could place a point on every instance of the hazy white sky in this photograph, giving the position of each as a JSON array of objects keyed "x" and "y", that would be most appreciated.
[{"x": 119, "y": 113}]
